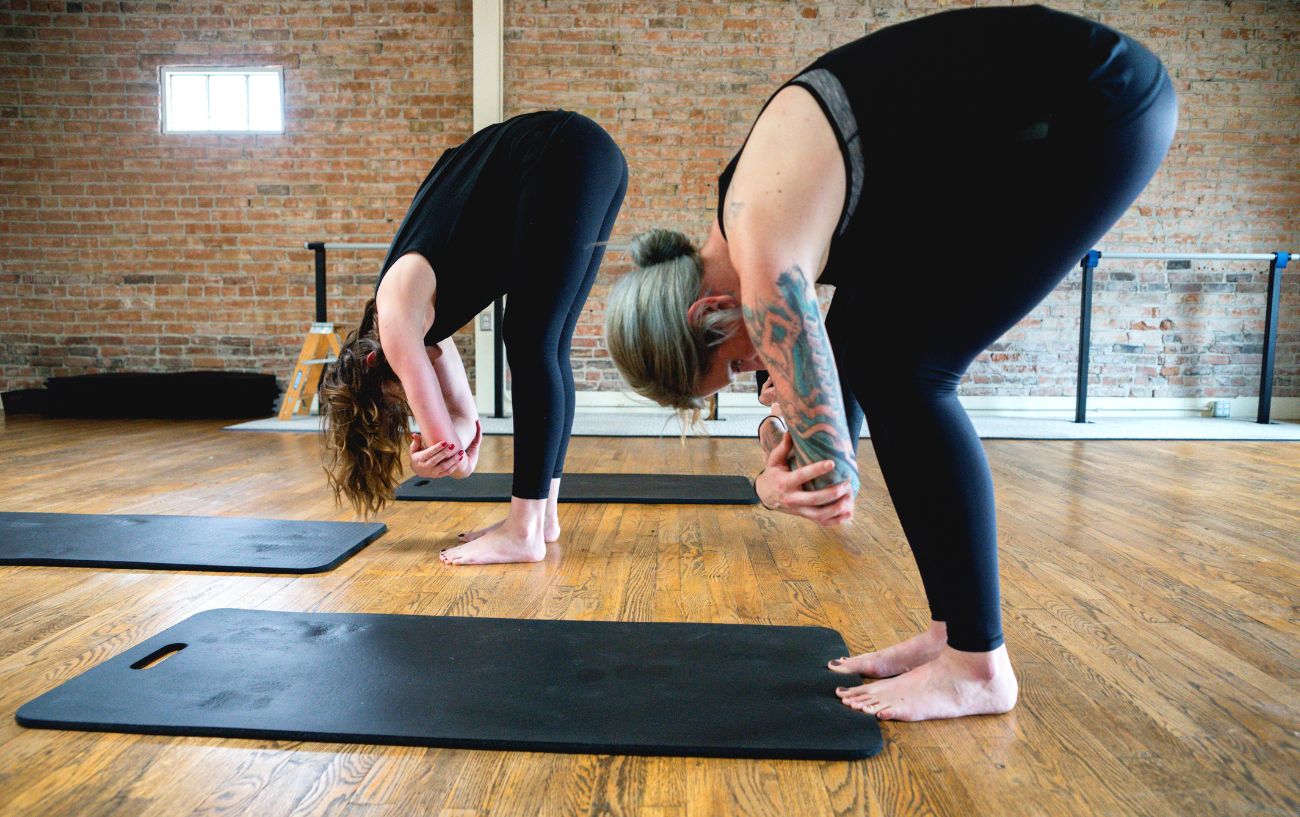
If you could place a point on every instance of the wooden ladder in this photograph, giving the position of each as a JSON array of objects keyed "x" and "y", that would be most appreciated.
[{"x": 320, "y": 348}]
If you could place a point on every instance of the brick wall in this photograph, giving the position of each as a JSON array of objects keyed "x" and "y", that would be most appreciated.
[
  {"x": 122, "y": 248},
  {"x": 678, "y": 84}
]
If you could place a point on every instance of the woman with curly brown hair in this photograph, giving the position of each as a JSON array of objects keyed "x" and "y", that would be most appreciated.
[{"x": 523, "y": 209}]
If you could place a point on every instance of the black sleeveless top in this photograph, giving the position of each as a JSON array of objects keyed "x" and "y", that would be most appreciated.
[
  {"x": 464, "y": 212},
  {"x": 957, "y": 83}
]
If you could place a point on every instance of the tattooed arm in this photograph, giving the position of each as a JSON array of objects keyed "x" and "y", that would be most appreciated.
[
  {"x": 785, "y": 324},
  {"x": 781, "y": 212}
]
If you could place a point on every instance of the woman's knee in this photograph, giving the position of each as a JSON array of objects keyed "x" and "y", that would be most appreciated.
[{"x": 907, "y": 384}]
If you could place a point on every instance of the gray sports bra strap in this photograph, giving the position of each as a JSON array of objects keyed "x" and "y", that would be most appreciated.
[{"x": 836, "y": 102}]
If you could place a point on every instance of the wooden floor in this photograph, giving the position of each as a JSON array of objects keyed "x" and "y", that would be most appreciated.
[{"x": 1150, "y": 595}]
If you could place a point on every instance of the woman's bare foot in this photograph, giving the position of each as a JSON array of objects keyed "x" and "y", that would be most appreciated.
[
  {"x": 496, "y": 546},
  {"x": 951, "y": 686},
  {"x": 524, "y": 512},
  {"x": 520, "y": 537},
  {"x": 899, "y": 658},
  {"x": 551, "y": 533}
]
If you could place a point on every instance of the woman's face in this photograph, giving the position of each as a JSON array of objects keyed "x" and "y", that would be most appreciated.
[{"x": 734, "y": 355}]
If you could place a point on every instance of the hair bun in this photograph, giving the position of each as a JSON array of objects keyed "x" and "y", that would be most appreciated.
[{"x": 658, "y": 245}]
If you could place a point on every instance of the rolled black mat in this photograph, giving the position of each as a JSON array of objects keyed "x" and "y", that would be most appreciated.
[
  {"x": 644, "y": 489},
  {"x": 183, "y": 395},
  {"x": 599, "y": 687},
  {"x": 180, "y": 542}
]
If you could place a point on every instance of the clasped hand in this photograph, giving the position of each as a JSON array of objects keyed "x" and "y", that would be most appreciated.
[
  {"x": 782, "y": 489},
  {"x": 443, "y": 458}
]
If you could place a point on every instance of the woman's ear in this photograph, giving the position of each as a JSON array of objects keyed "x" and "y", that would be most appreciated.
[{"x": 709, "y": 303}]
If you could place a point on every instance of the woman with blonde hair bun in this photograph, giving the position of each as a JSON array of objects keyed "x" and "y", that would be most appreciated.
[{"x": 943, "y": 175}]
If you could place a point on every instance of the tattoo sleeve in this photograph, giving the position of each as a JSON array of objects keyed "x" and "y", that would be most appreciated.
[{"x": 787, "y": 330}]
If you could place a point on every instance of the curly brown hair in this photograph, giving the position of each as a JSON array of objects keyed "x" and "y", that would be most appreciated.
[{"x": 367, "y": 424}]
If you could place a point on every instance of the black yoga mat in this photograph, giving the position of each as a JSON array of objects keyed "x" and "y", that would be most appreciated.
[
  {"x": 596, "y": 687},
  {"x": 644, "y": 489},
  {"x": 180, "y": 542}
]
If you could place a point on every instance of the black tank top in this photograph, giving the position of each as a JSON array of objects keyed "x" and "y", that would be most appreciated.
[
  {"x": 463, "y": 215},
  {"x": 946, "y": 87}
]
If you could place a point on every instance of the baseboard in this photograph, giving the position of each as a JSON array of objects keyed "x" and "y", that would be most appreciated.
[{"x": 1283, "y": 408}]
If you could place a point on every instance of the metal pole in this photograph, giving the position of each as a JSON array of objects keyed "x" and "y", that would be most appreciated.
[
  {"x": 1089, "y": 263},
  {"x": 319, "y": 248},
  {"x": 1275, "y": 268},
  {"x": 498, "y": 361},
  {"x": 1191, "y": 256}
]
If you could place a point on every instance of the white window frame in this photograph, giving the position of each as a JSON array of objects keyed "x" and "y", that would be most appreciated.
[{"x": 165, "y": 73}]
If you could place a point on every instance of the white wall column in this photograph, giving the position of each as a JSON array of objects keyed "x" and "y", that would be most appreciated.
[{"x": 489, "y": 108}]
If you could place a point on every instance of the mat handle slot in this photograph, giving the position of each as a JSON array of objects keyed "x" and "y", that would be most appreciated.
[{"x": 158, "y": 656}]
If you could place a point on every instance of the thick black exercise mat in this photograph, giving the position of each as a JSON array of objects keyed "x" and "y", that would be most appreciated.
[
  {"x": 180, "y": 542},
  {"x": 644, "y": 489},
  {"x": 598, "y": 687}
]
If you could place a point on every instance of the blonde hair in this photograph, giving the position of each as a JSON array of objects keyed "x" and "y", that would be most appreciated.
[
  {"x": 659, "y": 351},
  {"x": 366, "y": 425}
]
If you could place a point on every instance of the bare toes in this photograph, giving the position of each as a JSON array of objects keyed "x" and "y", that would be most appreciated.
[
  {"x": 880, "y": 687},
  {"x": 869, "y": 664}
]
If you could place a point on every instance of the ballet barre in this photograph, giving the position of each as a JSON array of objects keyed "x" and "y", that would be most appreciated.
[{"x": 1277, "y": 262}]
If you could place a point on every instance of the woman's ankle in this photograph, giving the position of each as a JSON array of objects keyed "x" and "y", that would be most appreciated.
[
  {"x": 552, "y": 510},
  {"x": 527, "y": 518},
  {"x": 984, "y": 665}
]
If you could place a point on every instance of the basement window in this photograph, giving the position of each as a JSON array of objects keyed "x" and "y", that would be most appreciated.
[{"x": 222, "y": 100}]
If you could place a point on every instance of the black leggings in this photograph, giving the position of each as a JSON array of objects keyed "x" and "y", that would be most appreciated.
[
  {"x": 1003, "y": 228},
  {"x": 565, "y": 212}
]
